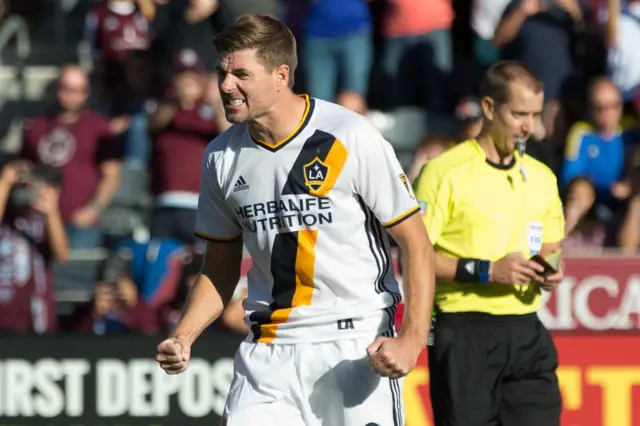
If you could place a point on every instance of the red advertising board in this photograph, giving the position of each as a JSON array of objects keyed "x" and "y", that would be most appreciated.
[
  {"x": 599, "y": 378},
  {"x": 597, "y": 294}
]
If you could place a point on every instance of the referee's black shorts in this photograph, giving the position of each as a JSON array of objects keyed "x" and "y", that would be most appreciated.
[{"x": 490, "y": 370}]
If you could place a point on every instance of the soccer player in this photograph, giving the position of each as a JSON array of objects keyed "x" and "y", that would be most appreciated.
[
  {"x": 489, "y": 210},
  {"x": 312, "y": 190}
]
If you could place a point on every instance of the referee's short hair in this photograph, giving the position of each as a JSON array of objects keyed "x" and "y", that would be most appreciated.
[
  {"x": 273, "y": 41},
  {"x": 497, "y": 80}
]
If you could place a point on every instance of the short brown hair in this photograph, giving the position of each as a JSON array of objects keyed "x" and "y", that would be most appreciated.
[
  {"x": 496, "y": 81},
  {"x": 273, "y": 41}
]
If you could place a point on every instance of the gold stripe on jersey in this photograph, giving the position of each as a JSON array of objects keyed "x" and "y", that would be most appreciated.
[
  {"x": 216, "y": 239},
  {"x": 304, "y": 271},
  {"x": 335, "y": 160},
  {"x": 401, "y": 218},
  {"x": 308, "y": 110}
]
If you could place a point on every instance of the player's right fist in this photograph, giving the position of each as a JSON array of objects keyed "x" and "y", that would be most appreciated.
[{"x": 173, "y": 354}]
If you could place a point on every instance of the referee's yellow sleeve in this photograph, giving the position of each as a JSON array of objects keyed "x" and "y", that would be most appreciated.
[
  {"x": 553, "y": 226},
  {"x": 433, "y": 192}
]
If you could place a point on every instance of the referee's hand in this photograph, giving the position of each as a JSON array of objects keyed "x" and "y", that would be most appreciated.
[
  {"x": 394, "y": 357},
  {"x": 173, "y": 354},
  {"x": 514, "y": 269}
]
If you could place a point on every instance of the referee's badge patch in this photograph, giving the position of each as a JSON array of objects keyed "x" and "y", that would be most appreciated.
[{"x": 534, "y": 237}]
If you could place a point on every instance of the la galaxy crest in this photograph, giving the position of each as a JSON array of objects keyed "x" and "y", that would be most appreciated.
[{"x": 315, "y": 174}]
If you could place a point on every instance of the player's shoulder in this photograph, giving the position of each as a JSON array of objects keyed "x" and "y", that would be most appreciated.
[
  {"x": 351, "y": 128},
  {"x": 227, "y": 141}
]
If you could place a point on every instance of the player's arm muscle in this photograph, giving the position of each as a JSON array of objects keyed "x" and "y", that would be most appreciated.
[
  {"x": 213, "y": 288},
  {"x": 418, "y": 276}
]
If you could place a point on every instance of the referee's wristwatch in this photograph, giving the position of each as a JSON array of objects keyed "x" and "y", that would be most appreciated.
[{"x": 484, "y": 271}]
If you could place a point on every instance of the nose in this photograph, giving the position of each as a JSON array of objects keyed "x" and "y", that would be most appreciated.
[
  {"x": 226, "y": 83},
  {"x": 529, "y": 124}
]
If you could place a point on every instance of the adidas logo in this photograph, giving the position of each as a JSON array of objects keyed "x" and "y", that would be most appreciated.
[
  {"x": 240, "y": 185},
  {"x": 470, "y": 267}
]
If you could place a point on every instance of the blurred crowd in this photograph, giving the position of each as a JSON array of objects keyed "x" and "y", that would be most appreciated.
[{"x": 149, "y": 104}]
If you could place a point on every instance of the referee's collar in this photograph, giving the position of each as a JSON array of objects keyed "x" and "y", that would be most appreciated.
[{"x": 498, "y": 166}]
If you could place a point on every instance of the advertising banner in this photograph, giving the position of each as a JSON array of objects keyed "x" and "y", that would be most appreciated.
[
  {"x": 597, "y": 294},
  {"x": 109, "y": 381}
]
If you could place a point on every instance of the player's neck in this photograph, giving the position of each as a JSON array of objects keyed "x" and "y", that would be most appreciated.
[
  {"x": 488, "y": 145},
  {"x": 281, "y": 121}
]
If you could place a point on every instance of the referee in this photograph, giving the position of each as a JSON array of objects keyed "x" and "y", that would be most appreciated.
[{"x": 489, "y": 209}]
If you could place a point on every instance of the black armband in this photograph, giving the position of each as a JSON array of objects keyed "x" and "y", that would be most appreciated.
[{"x": 472, "y": 271}]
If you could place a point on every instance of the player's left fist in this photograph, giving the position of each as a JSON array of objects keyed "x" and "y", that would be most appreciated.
[{"x": 393, "y": 357}]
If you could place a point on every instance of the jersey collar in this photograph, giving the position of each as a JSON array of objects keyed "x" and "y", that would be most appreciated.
[
  {"x": 497, "y": 166},
  {"x": 308, "y": 111}
]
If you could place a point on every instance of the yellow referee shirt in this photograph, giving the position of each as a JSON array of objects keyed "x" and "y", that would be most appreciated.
[{"x": 475, "y": 209}]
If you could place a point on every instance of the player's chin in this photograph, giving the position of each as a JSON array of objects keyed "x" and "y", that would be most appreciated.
[
  {"x": 236, "y": 115},
  {"x": 235, "y": 118}
]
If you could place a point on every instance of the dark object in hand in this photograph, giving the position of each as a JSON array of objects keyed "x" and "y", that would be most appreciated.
[{"x": 548, "y": 269}]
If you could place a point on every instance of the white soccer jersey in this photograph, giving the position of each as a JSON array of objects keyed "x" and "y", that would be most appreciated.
[{"x": 311, "y": 211}]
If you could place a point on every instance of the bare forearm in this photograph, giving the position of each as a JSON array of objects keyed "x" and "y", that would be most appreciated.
[
  {"x": 57, "y": 237},
  {"x": 203, "y": 306},
  {"x": 509, "y": 28},
  {"x": 419, "y": 284},
  {"x": 445, "y": 268},
  {"x": 108, "y": 185}
]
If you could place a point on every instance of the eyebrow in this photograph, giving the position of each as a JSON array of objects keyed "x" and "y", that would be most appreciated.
[
  {"x": 234, "y": 71},
  {"x": 527, "y": 112}
]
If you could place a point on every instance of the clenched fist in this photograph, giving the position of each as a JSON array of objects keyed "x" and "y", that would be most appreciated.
[
  {"x": 393, "y": 357},
  {"x": 173, "y": 354}
]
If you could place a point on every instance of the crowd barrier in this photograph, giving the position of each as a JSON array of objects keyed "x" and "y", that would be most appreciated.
[{"x": 114, "y": 381}]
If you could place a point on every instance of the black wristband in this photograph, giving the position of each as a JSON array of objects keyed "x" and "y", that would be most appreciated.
[{"x": 472, "y": 271}]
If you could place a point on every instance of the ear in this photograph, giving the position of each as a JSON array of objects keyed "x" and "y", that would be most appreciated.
[
  {"x": 282, "y": 76},
  {"x": 488, "y": 108}
]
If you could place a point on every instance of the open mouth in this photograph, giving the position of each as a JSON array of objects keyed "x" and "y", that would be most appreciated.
[{"x": 235, "y": 102}]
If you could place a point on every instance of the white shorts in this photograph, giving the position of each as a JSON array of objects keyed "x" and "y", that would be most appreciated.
[{"x": 311, "y": 384}]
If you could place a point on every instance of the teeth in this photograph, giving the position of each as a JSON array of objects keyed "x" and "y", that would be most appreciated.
[{"x": 236, "y": 102}]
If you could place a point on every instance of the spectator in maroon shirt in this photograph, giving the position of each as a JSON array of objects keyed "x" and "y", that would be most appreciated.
[
  {"x": 182, "y": 127},
  {"x": 119, "y": 34},
  {"x": 116, "y": 306},
  {"x": 82, "y": 144},
  {"x": 31, "y": 236}
]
